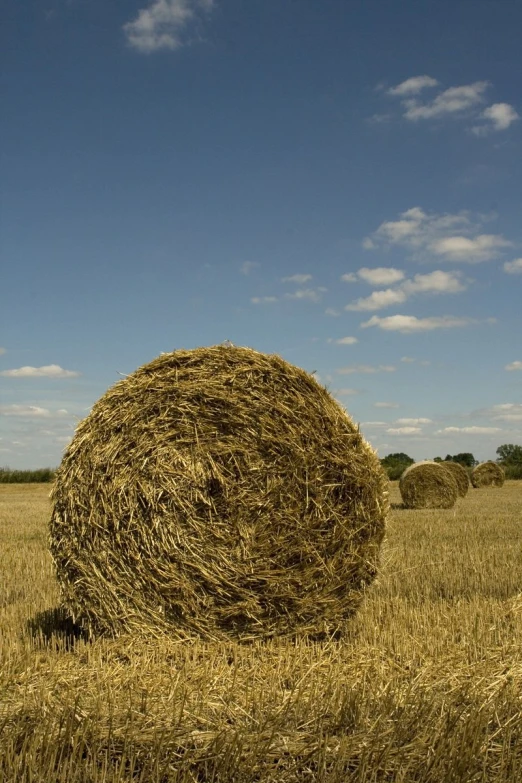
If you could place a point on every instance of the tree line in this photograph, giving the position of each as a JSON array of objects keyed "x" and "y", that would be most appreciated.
[{"x": 509, "y": 456}]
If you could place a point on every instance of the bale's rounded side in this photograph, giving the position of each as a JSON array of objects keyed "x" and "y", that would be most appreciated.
[
  {"x": 428, "y": 485},
  {"x": 460, "y": 474},
  {"x": 220, "y": 492},
  {"x": 488, "y": 474}
]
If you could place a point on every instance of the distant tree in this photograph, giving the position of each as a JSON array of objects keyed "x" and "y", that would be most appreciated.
[
  {"x": 509, "y": 454},
  {"x": 464, "y": 458},
  {"x": 399, "y": 456},
  {"x": 437, "y": 459}
]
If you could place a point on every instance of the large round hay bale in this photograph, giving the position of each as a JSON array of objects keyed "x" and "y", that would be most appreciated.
[
  {"x": 428, "y": 485},
  {"x": 488, "y": 474},
  {"x": 460, "y": 474},
  {"x": 218, "y": 492}
]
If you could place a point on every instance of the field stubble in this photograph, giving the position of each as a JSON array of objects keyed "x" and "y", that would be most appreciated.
[{"x": 426, "y": 687}]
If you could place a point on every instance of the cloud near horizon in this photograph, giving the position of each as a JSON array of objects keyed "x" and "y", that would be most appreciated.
[
  {"x": 31, "y": 411},
  {"x": 47, "y": 371},
  {"x": 163, "y": 24}
]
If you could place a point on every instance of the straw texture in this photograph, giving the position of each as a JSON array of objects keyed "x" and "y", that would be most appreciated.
[
  {"x": 460, "y": 474},
  {"x": 488, "y": 474},
  {"x": 218, "y": 492},
  {"x": 428, "y": 485}
]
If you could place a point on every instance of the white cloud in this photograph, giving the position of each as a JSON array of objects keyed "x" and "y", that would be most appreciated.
[
  {"x": 508, "y": 411},
  {"x": 344, "y": 340},
  {"x": 299, "y": 279},
  {"x": 331, "y": 311},
  {"x": 513, "y": 267},
  {"x": 408, "y": 324},
  {"x": 404, "y": 430},
  {"x": 513, "y": 366},
  {"x": 374, "y": 424},
  {"x": 30, "y": 411},
  {"x": 349, "y": 277},
  {"x": 366, "y": 369},
  {"x": 381, "y": 275},
  {"x": 499, "y": 115},
  {"x": 469, "y": 430},
  {"x": 48, "y": 371},
  {"x": 451, "y": 102},
  {"x": 413, "y": 85},
  {"x": 449, "y": 237},
  {"x": 247, "y": 267},
  {"x": 407, "y": 359},
  {"x": 263, "y": 299},
  {"x": 2, "y": 351},
  {"x": 163, "y": 23},
  {"x": 460, "y": 248},
  {"x": 414, "y": 421},
  {"x": 385, "y": 405},
  {"x": 377, "y": 300},
  {"x": 307, "y": 294},
  {"x": 437, "y": 282}
]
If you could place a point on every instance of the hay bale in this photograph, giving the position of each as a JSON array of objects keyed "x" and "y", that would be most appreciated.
[
  {"x": 218, "y": 492},
  {"x": 460, "y": 474},
  {"x": 488, "y": 474},
  {"x": 428, "y": 485}
]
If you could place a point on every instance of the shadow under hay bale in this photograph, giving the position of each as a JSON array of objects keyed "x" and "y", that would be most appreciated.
[
  {"x": 488, "y": 474},
  {"x": 428, "y": 485},
  {"x": 460, "y": 474},
  {"x": 218, "y": 492},
  {"x": 56, "y": 625}
]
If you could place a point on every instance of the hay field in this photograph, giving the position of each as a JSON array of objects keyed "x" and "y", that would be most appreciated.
[{"x": 427, "y": 686}]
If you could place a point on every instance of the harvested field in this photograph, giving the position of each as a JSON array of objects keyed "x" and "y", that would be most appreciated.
[{"x": 426, "y": 687}]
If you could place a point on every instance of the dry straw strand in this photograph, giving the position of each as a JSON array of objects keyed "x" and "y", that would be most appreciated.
[
  {"x": 488, "y": 474},
  {"x": 219, "y": 492},
  {"x": 428, "y": 485},
  {"x": 460, "y": 474}
]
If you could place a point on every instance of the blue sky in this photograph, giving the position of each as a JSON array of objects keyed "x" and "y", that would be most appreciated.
[{"x": 337, "y": 182}]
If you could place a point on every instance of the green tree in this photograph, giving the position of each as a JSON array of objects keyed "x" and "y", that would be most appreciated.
[
  {"x": 510, "y": 454},
  {"x": 464, "y": 458},
  {"x": 396, "y": 464}
]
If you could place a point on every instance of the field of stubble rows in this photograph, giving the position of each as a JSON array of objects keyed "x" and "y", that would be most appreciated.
[{"x": 427, "y": 687}]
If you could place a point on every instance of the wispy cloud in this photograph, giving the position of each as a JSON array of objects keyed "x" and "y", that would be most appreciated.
[
  {"x": 307, "y": 294},
  {"x": 366, "y": 369},
  {"x": 513, "y": 366},
  {"x": 346, "y": 392},
  {"x": 408, "y": 324},
  {"x": 508, "y": 411},
  {"x": 451, "y": 102},
  {"x": 469, "y": 430},
  {"x": 332, "y": 312},
  {"x": 385, "y": 405},
  {"x": 513, "y": 267},
  {"x": 47, "y": 371},
  {"x": 263, "y": 299},
  {"x": 437, "y": 282},
  {"x": 446, "y": 237},
  {"x": 2, "y": 350},
  {"x": 413, "y": 85},
  {"x": 404, "y": 431},
  {"x": 298, "y": 279},
  {"x": 497, "y": 117},
  {"x": 247, "y": 267},
  {"x": 30, "y": 411},
  {"x": 414, "y": 422},
  {"x": 164, "y": 24},
  {"x": 343, "y": 340}
]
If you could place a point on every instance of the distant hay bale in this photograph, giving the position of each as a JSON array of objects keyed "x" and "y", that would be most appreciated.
[
  {"x": 488, "y": 474},
  {"x": 460, "y": 474},
  {"x": 428, "y": 485},
  {"x": 218, "y": 492}
]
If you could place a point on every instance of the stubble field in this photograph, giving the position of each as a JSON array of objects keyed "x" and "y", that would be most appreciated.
[{"x": 426, "y": 687}]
